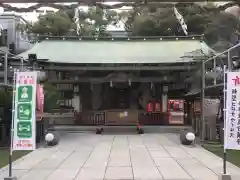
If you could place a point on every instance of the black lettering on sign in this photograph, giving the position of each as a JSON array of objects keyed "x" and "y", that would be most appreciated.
[
  {"x": 238, "y": 135},
  {"x": 234, "y": 91}
]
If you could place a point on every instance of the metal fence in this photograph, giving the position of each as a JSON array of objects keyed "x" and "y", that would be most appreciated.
[{"x": 213, "y": 79}]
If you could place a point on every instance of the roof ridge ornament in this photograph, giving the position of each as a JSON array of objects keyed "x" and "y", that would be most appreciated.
[{"x": 128, "y": 38}]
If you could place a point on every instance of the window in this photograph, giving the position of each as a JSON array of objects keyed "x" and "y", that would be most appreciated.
[{"x": 3, "y": 38}]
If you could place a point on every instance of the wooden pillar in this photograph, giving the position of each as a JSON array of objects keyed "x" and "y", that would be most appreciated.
[
  {"x": 76, "y": 98},
  {"x": 96, "y": 89},
  {"x": 164, "y": 98},
  {"x": 85, "y": 92},
  {"x": 158, "y": 91}
]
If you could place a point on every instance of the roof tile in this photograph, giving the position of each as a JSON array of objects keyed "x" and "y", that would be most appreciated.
[{"x": 65, "y": 51}]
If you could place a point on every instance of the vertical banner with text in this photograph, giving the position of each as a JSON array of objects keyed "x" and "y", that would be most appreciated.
[
  {"x": 232, "y": 121},
  {"x": 39, "y": 102},
  {"x": 25, "y": 108}
]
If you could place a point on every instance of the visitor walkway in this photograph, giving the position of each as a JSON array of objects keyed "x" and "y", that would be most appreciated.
[{"x": 151, "y": 156}]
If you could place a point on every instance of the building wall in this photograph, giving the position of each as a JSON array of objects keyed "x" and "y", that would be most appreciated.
[
  {"x": 99, "y": 102},
  {"x": 98, "y": 96},
  {"x": 10, "y": 23}
]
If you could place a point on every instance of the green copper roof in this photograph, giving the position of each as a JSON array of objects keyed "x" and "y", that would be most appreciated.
[{"x": 79, "y": 51}]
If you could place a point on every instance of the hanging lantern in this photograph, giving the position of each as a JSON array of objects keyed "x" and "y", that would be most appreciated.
[
  {"x": 151, "y": 85},
  {"x": 157, "y": 106},
  {"x": 149, "y": 107},
  {"x": 129, "y": 82}
]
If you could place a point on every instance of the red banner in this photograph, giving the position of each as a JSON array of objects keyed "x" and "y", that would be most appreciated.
[{"x": 40, "y": 100}]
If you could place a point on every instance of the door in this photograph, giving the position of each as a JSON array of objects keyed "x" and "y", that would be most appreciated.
[{"x": 121, "y": 98}]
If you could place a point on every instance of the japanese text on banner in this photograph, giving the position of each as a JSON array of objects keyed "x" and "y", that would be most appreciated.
[
  {"x": 25, "y": 111},
  {"x": 232, "y": 124}
]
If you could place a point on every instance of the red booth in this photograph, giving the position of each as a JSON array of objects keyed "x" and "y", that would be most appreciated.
[{"x": 176, "y": 111}]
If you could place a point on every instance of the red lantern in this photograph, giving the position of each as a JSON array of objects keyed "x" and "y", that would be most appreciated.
[
  {"x": 149, "y": 107},
  {"x": 157, "y": 106}
]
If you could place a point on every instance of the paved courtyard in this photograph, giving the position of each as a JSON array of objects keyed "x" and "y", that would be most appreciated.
[{"x": 87, "y": 156}]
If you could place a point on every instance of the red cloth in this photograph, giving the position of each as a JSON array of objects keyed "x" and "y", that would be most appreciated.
[
  {"x": 40, "y": 98},
  {"x": 149, "y": 107}
]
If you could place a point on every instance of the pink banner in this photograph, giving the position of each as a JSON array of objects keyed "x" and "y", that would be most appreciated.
[{"x": 40, "y": 98}]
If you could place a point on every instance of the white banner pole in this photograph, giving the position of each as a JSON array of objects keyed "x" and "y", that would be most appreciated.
[
  {"x": 225, "y": 120},
  {"x": 12, "y": 126}
]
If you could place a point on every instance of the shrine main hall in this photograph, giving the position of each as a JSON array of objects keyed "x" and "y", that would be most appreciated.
[{"x": 122, "y": 81}]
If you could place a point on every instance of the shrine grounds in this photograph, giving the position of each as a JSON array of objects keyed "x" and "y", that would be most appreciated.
[
  {"x": 233, "y": 156},
  {"x": 4, "y": 152},
  {"x": 118, "y": 156}
]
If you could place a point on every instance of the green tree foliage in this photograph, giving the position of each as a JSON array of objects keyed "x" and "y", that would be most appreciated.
[
  {"x": 219, "y": 27},
  {"x": 92, "y": 22},
  {"x": 201, "y": 19},
  {"x": 6, "y": 95},
  {"x": 51, "y": 97},
  {"x": 56, "y": 24},
  {"x": 5, "y": 98},
  {"x": 101, "y": 19}
]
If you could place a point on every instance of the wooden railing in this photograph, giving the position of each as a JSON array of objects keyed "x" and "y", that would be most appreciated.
[
  {"x": 91, "y": 118},
  {"x": 153, "y": 118},
  {"x": 121, "y": 117},
  {"x": 112, "y": 117}
]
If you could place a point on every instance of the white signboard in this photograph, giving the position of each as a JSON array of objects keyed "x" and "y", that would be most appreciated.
[
  {"x": 25, "y": 108},
  {"x": 232, "y": 121}
]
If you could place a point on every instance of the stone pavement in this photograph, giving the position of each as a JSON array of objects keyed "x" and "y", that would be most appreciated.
[{"x": 87, "y": 156}]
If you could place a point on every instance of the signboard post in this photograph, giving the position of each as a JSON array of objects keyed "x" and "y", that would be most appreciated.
[{"x": 25, "y": 108}]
